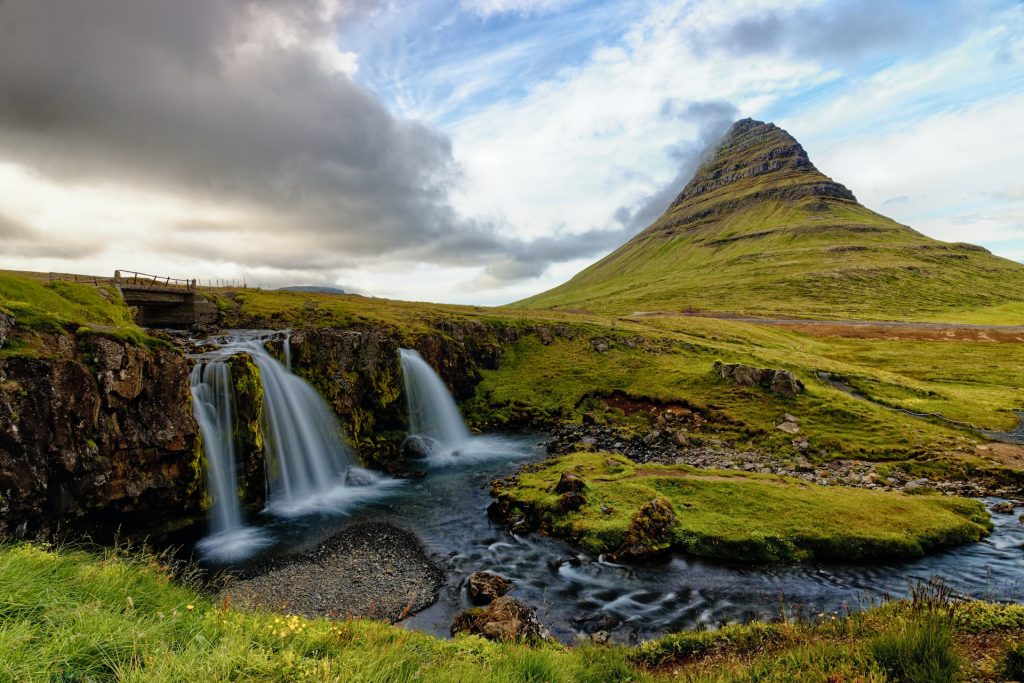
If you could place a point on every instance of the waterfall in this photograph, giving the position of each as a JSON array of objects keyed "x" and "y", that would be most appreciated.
[
  {"x": 213, "y": 407},
  {"x": 432, "y": 411},
  {"x": 309, "y": 467}
]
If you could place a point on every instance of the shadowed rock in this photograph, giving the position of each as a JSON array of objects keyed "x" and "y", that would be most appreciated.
[
  {"x": 505, "y": 619},
  {"x": 485, "y": 587}
]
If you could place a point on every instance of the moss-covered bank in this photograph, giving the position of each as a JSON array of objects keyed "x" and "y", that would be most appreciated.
[{"x": 606, "y": 503}]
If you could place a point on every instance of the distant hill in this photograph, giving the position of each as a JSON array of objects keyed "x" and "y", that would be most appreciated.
[
  {"x": 759, "y": 230},
  {"x": 316, "y": 289}
]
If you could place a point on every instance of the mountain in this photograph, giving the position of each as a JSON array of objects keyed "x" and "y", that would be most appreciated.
[
  {"x": 314, "y": 289},
  {"x": 759, "y": 230}
]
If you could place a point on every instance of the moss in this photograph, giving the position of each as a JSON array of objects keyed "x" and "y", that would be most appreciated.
[
  {"x": 736, "y": 515},
  {"x": 248, "y": 429}
]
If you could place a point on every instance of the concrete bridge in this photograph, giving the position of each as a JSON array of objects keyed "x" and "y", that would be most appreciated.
[{"x": 164, "y": 301}]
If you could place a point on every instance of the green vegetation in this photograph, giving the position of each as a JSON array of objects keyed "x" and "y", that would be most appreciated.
[
  {"x": 759, "y": 233},
  {"x": 67, "y": 615},
  {"x": 58, "y": 307},
  {"x": 918, "y": 652},
  {"x": 735, "y": 515}
]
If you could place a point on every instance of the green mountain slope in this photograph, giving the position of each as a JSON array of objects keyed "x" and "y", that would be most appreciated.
[{"x": 759, "y": 230}]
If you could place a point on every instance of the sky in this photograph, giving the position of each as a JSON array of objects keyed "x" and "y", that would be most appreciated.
[{"x": 475, "y": 151}]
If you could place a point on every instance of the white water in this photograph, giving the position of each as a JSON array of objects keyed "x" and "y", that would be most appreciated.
[
  {"x": 433, "y": 414},
  {"x": 309, "y": 466},
  {"x": 213, "y": 406}
]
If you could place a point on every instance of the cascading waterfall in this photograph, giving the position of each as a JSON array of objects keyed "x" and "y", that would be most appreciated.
[
  {"x": 309, "y": 466},
  {"x": 213, "y": 407},
  {"x": 432, "y": 410}
]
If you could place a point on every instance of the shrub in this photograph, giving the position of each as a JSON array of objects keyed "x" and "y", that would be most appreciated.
[{"x": 1012, "y": 666}]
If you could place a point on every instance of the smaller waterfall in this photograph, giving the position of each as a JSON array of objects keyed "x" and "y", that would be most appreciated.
[
  {"x": 432, "y": 411},
  {"x": 213, "y": 407}
]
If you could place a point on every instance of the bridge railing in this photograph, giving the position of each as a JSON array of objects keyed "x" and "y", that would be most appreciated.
[{"x": 136, "y": 279}]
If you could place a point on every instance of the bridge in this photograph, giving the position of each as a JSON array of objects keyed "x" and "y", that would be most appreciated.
[{"x": 160, "y": 301}]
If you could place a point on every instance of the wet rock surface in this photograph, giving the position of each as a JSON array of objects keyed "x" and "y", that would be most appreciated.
[
  {"x": 484, "y": 587},
  {"x": 505, "y": 619},
  {"x": 369, "y": 569}
]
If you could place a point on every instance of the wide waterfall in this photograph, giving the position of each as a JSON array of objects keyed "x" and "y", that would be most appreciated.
[
  {"x": 309, "y": 467},
  {"x": 432, "y": 410},
  {"x": 213, "y": 406}
]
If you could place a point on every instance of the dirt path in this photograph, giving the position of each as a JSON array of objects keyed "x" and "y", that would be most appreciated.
[{"x": 866, "y": 329}]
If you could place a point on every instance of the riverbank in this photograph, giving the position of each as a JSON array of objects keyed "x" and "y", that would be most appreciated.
[
  {"x": 71, "y": 615},
  {"x": 368, "y": 570}
]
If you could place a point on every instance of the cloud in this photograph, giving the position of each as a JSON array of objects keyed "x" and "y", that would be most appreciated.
[
  {"x": 486, "y": 8},
  {"x": 23, "y": 241},
  {"x": 242, "y": 103},
  {"x": 839, "y": 31}
]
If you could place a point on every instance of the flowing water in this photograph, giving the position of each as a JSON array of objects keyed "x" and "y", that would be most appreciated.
[
  {"x": 309, "y": 466},
  {"x": 575, "y": 593},
  {"x": 432, "y": 411}
]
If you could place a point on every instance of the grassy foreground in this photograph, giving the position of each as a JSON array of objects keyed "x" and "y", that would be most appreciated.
[
  {"x": 70, "y": 616},
  {"x": 736, "y": 515}
]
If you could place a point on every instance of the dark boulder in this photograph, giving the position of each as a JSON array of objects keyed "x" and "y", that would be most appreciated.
[
  {"x": 650, "y": 530},
  {"x": 485, "y": 587},
  {"x": 782, "y": 382},
  {"x": 418, "y": 447},
  {"x": 570, "y": 483},
  {"x": 6, "y": 325},
  {"x": 505, "y": 619}
]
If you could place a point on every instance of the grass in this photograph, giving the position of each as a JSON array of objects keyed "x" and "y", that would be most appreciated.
[
  {"x": 918, "y": 652},
  {"x": 59, "y": 307},
  {"x": 740, "y": 516},
  {"x": 69, "y": 615},
  {"x": 744, "y": 247}
]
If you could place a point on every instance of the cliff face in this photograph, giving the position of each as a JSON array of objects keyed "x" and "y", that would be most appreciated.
[{"x": 95, "y": 434}]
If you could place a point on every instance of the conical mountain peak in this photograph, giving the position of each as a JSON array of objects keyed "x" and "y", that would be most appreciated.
[
  {"x": 760, "y": 159},
  {"x": 760, "y": 230}
]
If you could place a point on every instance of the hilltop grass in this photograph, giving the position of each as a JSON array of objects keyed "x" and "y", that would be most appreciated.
[
  {"x": 796, "y": 259},
  {"x": 69, "y": 615},
  {"x": 59, "y": 307},
  {"x": 740, "y": 516}
]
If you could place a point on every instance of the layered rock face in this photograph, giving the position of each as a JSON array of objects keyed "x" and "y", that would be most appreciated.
[{"x": 96, "y": 434}]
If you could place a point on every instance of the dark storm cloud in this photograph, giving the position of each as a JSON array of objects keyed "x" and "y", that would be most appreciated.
[
  {"x": 203, "y": 99},
  {"x": 841, "y": 31}
]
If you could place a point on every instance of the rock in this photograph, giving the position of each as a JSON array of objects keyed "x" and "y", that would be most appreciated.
[
  {"x": 650, "y": 530},
  {"x": 789, "y": 427},
  {"x": 545, "y": 335},
  {"x": 1004, "y": 507},
  {"x": 599, "y": 637},
  {"x": 570, "y": 502},
  {"x": 505, "y": 619},
  {"x": 781, "y": 382},
  {"x": 417, "y": 447},
  {"x": 600, "y": 344},
  {"x": 6, "y": 325},
  {"x": 785, "y": 383},
  {"x": 589, "y": 419},
  {"x": 681, "y": 439},
  {"x": 357, "y": 477},
  {"x": 570, "y": 483},
  {"x": 789, "y": 418},
  {"x": 484, "y": 587},
  {"x": 917, "y": 486}
]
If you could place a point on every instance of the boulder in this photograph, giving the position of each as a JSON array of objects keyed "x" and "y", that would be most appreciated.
[
  {"x": 600, "y": 344},
  {"x": 570, "y": 502},
  {"x": 6, "y": 325},
  {"x": 570, "y": 483},
  {"x": 650, "y": 530},
  {"x": 1003, "y": 507},
  {"x": 417, "y": 447},
  {"x": 485, "y": 587},
  {"x": 782, "y": 382},
  {"x": 505, "y": 619}
]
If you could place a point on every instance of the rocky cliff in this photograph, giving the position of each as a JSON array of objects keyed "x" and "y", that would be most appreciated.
[{"x": 95, "y": 434}]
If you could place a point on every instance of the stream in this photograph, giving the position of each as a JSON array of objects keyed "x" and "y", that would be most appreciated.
[{"x": 576, "y": 594}]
